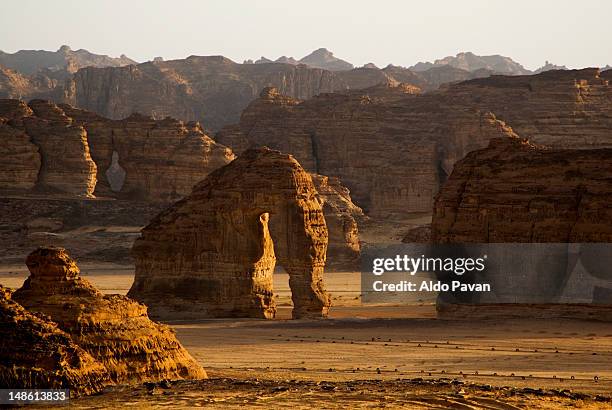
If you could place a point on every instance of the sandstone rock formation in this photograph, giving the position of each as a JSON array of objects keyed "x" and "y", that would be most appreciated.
[
  {"x": 161, "y": 159},
  {"x": 72, "y": 151},
  {"x": 514, "y": 191},
  {"x": 35, "y": 353},
  {"x": 342, "y": 217},
  {"x": 418, "y": 234},
  {"x": 32, "y": 61},
  {"x": 471, "y": 62},
  {"x": 213, "y": 90},
  {"x": 213, "y": 253},
  {"x": 393, "y": 149},
  {"x": 21, "y": 160},
  {"x": 323, "y": 58},
  {"x": 113, "y": 329},
  {"x": 64, "y": 162}
]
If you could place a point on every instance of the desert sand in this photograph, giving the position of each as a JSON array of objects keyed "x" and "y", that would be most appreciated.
[{"x": 373, "y": 355}]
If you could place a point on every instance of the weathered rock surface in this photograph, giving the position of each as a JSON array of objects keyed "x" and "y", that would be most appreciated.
[
  {"x": 84, "y": 154},
  {"x": 390, "y": 147},
  {"x": 35, "y": 353},
  {"x": 341, "y": 217},
  {"x": 113, "y": 329},
  {"x": 213, "y": 90},
  {"x": 212, "y": 254},
  {"x": 471, "y": 62},
  {"x": 20, "y": 159},
  {"x": 393, "y": 149},
  {"x": 161, "y": 159},
  {"x": 514, "y": 191},
  {"x": 32, "y": 61},
  {"x": 418, "y": 234},
  {"x": 63, "y": 152}
]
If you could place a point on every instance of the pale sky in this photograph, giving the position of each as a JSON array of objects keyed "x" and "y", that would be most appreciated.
[{"x": 572, "y": 33}]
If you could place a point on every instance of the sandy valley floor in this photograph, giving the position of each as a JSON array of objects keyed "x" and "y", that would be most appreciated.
[{"x": 380, "y": 355}]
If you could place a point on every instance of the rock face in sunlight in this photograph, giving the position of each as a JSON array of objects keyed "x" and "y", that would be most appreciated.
[
  {"x": 390, "y": 147},
  {"x": 341, "y": 217},
  {"x": 36, "y": 353},
  {"x": 161, "y": 159},
  {"x": 64, "y": 161},
  {"x": 514, "y": 191},
  {"x": 114, "y": 329},
  {"x": 59, "y": 149},
  {"x": 213, "y": 253}
]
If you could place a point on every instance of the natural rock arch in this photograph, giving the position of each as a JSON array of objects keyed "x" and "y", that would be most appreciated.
[{"x": 213, "y": 253}]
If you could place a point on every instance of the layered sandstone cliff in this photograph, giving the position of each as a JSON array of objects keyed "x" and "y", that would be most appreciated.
[
  {"x": 342, "y": 217},
  {"x": 213, "y": 253},
  {"x": 212, "y": 89},
  {"x": 390, "y": 147},
  {"x": 64, "y": 162},
  {"x": 36, "y": 353},
  {"x": 113, "y": 329},
  {"x": 514, "y": 191},
  {"x": 393, "y": 149},
  {"x": 59, "y": 148}
]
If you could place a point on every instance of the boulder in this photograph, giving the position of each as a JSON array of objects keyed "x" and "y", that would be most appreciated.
[{"x": 113, "y": 329}]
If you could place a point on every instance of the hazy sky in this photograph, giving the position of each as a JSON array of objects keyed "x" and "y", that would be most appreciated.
[{"x": 572, "y": 33}]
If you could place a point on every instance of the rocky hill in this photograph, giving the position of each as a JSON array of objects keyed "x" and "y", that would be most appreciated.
[
  {"x": 67, "y": 151},
  {"x": 514, "y": 191},
  {"x": 471, "y": 62},
  {"x": 393, "y": 148},
  {"x": 30, "y": 62}
]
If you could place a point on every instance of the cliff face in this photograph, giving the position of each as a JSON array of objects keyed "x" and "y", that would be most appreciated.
[
  {"x": 113, "y": 329},
  {"x": 393, "y": 149},
  {"x": 72, "y": 151},
  {"x": 341, "y": 217},
  {"x": 36, "y": 354},
  {"x": 563, "y": 109},
  {"x": 213, "y": 253},
  {"x": 64, "y": 163},
  {"x": 213, "y": 90},
  {"x": 514, "y": 191},
  {"x": 32, "y": 61},
  {"x": 390, "y": 147}
]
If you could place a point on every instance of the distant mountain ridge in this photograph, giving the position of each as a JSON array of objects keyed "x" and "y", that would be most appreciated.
[
  {"x": 30, "y": 62},
  {"x": 469, "y": 61},
  {"x": 320, "y": 58}
]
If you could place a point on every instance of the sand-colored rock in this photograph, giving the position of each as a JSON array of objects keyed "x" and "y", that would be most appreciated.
[
  {"x": 161, "y": 159},
  {"x": 20, "y": 160},
  {"x": 114, "y": 329},
  {"x": 213, "y": 253},
  {"x": 394, "y": 149},
  {"x": 62, "y": 164},
  {"x": 36, "y": 354},
  {"x": 341, "y": 217},
  {"x": 83, "y": 154},
  {"x": 514, "y": 191},
  {"x": 390, "y": 147}
]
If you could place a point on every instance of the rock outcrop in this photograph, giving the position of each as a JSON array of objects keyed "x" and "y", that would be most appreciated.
[
  {"x": 390, "y": 147},
  {"x": 161, "y": 159},
  {"x": 514, "y": 191},
  {"x": 32, "y": 61},
  {"x": 213, "y": 90},
  {"x": 113, "y": 329},
  {"x": 471, "y": 62},
  {"x": 213, "y": 253},
  {"x": 64, "y": 162},
  {"x": 35, "y": 353},
  {"x": 342, "y": 217},
  {"x": 59, "y": 148},
  {"x": 394, "y": 149}
]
